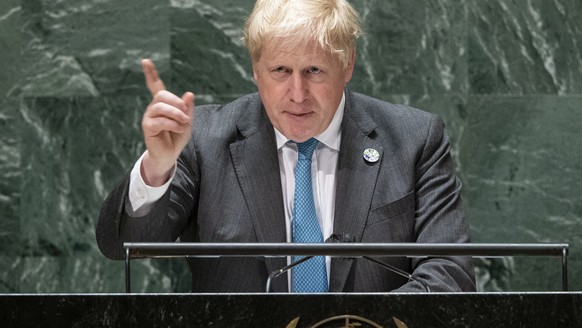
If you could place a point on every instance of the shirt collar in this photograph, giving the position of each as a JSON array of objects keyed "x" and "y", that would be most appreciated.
[{"x": 330, "y": 137}]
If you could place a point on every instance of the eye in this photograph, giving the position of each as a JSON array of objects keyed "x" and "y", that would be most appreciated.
[
  {"x": 280, "y": 69},
  {"x": 314, "y": 70}
]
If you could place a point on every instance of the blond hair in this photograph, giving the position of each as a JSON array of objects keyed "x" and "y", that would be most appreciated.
[{"x": 333, "y": 24}]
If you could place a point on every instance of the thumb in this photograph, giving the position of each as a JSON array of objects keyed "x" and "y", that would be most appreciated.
[{"x": 188, "y": 99}]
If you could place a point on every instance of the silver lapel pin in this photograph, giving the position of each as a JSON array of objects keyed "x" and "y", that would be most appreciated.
[{"x": 371, "y": 155}]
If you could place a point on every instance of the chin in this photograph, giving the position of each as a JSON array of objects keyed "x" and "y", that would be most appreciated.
[{"x": 299, "y": 134}]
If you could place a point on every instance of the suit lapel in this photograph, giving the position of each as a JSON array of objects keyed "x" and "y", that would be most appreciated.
[
  {"x": 257, "y": 168},
  {"x": 355, "y": 182}
]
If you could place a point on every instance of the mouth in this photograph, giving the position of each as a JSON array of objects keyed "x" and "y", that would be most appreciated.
[
  {"x": 299, "y": 118},
  {"x": 300, "y": 115}
]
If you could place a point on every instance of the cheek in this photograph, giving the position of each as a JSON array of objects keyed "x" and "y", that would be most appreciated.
[{"x": 271, "y": 91}]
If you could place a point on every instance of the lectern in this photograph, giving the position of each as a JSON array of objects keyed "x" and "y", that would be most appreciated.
[
  {"x": 365, "y": 250},
  {"x": 524, "y": 309}
]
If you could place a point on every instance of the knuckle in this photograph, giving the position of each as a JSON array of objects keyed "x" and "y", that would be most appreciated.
[{"x": 146, "y": 124}]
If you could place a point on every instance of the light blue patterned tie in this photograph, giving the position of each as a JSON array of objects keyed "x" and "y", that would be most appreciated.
[{"x": 309, "y": 276}]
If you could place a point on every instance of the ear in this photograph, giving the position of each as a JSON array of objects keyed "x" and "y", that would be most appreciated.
[
  {"x": 349, "y": 70},
  {"x": 255, "y": 74}
]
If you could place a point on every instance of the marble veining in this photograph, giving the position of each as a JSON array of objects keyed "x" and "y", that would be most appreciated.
[{"x": 528, "y": 47}]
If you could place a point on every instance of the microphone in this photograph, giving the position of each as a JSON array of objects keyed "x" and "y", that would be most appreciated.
[
  {"x": 347, "y": 238},
  {"x": 343, "y": 238},
  {"x": 335, "y": 238}
]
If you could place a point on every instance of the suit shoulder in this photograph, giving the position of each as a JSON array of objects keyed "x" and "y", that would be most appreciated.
[
  {"x": 226, "y": 123},
  {"x": 239, "y": 106},
  {"x": 379, "y": 115}
]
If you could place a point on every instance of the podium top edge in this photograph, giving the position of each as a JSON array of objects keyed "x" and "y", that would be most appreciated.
[{"x": 346, "y": 249}]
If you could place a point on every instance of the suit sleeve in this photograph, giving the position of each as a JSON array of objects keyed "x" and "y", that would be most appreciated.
[
  {"x": 164, "y": 222},
  {"x": 439, "y": 217}
]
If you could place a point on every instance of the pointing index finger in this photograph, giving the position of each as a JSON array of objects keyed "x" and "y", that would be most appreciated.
[{"x": 153, "y": 81}]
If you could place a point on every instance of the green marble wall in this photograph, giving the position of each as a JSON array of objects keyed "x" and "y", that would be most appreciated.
[{"x": 506, "y": 76}]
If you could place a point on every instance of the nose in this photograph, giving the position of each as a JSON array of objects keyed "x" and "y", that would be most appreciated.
[{"x": 298, "y": 90}]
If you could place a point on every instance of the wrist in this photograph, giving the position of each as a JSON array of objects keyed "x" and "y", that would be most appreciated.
[{"x": 155, "y": 172}]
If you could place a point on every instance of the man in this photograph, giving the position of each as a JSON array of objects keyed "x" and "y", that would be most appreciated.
[{"x": 380, "y": 172}]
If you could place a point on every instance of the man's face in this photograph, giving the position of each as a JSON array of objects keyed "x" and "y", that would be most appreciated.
[{"x": 300, "y": 88}]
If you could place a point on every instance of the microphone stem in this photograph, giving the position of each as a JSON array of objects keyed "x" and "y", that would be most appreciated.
[{"x": 284, "y": 269}]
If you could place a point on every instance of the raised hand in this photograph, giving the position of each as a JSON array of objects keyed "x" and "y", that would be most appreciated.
[{"x": 167, "y": 127}]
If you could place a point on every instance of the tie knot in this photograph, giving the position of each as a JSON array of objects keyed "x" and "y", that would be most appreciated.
[{"x": 306, "y": 148}]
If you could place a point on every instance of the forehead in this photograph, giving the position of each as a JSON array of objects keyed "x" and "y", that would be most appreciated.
[{"x": 311, "y": 51}]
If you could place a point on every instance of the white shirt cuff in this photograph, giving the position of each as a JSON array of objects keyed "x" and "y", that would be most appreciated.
[{"x": 141, "y": 196}]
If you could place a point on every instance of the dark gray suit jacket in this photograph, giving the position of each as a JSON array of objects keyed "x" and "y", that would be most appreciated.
[{"x": 228, "y": 189}]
